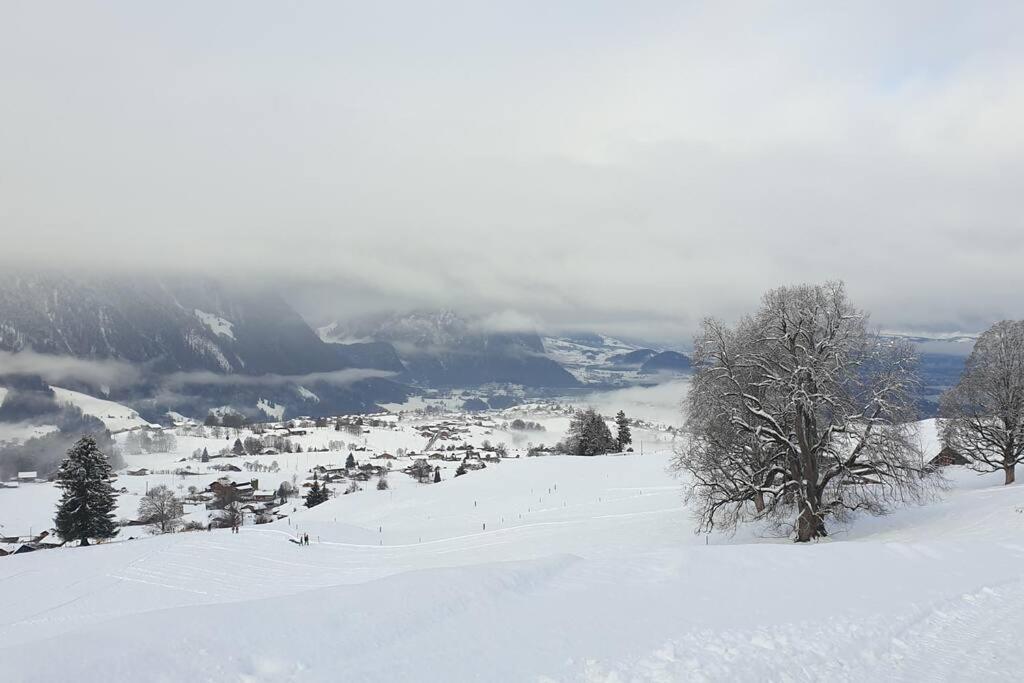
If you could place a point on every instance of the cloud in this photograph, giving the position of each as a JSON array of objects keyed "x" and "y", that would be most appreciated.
[
  {"x": 336, "y": 378},
  {"x": 61, "y": 369},
  {"x": 507, "y": 321},
  {"x": 627, "y": 169}
]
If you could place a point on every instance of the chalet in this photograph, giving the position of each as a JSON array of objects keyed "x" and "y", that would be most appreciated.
[
  {"x": 296, "y": 432},
  {"x": 227, "y": 468},
  {"x": 269, "y": 451},
  {"x": 242, "y": 490},
  {"x": 27, "y": 476},
  {"x": 261, "y": 496},
  {"x": 140, "y": 472},
  {"x": 386, "y": 456},
  {"x": 946, "y": 457},
  {"x": 333, "y": 470},
  {"x": 421, "y": 469},
  {"x": 473, "y": 463}
]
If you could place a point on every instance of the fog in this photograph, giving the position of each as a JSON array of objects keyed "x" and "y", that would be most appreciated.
[{"x": 620, "y": 167}]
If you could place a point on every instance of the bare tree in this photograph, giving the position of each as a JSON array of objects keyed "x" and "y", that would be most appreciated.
[
  {"x": 799, "y": 414},
  {"x": 983, "y": 415},
  {"x": 161, "y": 509},
  {"x": 230, "y": 516}
]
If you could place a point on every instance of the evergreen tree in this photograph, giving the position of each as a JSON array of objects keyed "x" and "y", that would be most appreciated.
[
  {"x": 350, "y": 461},
  {"x": 205, "y": 457},
  {"x": 624, "y": 436},
  {"x": 437, "y": 475},
  {"x": 86, "y": 506},
  {"x": 589, "y": 435},
  {"x": 238, "y": 448},
  {"x": 460, "y": 470},
  {"x": 317, "y": 494}
]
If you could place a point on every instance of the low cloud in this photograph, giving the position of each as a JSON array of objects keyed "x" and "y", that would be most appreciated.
[
  {"x": 64, "y": 369},
  {"x": 508, "y": 321},
  {"x": 336, "y": 378}
]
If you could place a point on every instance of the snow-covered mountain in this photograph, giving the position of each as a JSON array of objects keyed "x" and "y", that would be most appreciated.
[
  {"x": 597, "y": 359},
  {"x": 200, "y": 342},
  {"x": 171, "y": 325},
  {"x": 445, "y": 349}
]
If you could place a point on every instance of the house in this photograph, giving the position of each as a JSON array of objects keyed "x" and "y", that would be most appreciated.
[
  {"x": 946, "y": 457},
  {"x": 473, "y": 463},
  {"x": 242, "y": 490},
  {"x": 27, "y": 476},
  {"x": 140, "y": 472},
  {"x": 421, "y": 470}
]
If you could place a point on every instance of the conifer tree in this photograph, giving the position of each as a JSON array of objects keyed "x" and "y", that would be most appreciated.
[
  {"x": 238, "y": 448},
  {"x": 317, "y": 494},
  {"x": 588, "y": 435},
  {"x": 86, "y": 505},
  {"x": 437, "y": 475},
  {"x": 624, "y": 437}
]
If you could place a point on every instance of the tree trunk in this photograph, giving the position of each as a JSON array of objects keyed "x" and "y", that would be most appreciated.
[
  {"x": 809, "y": 524},
  {"x": 85, "y": 542},
  {"x": 759, "y": 502},
  {"x": 1011, "y": 474}
]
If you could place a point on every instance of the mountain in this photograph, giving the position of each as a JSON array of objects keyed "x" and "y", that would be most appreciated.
[
  {"x": 174, "y": 325},
  {"x": 443, "y": 349},
  {"x": 196, "y": 343},
  {"x": 601, "y": 361},
  {"x": 633, "y": 358},
  {"x": 666, "y": 361}
]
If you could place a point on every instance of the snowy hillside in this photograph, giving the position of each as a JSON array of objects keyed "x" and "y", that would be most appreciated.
[
  {"x": 525, "y": 570},
  {"x": 114, "y": 416}
]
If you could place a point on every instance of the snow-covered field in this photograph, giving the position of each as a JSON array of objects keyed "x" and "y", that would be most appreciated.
[{"x": 543, "y": 569}]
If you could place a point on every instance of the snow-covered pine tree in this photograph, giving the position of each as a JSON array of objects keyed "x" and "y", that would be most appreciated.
[
  {"x": 624, "y": 436},
  {"x": 86, "y": 505},
  {"x": 238, "y": 448},
  {"x": 589, "y": 434},
  {"x": 350, "y": 461},
  {"x": 317, "y": 494}
]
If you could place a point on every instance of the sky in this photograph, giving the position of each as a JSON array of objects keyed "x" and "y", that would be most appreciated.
[{"x": 628, "y": 168}]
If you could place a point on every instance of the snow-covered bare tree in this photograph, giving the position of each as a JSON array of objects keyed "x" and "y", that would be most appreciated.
[
  {"x": 799, "y": 414},
  {"x": 983, "y": 415},
  {"x": 230, "y": 516},
  {"x": 161, "y": 509}
]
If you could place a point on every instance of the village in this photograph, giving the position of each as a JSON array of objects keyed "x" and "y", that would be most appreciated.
[{"x": 236, "y": 476}]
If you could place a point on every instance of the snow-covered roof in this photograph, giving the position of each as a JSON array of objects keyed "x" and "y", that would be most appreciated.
[{"x": 28, "y": 475}]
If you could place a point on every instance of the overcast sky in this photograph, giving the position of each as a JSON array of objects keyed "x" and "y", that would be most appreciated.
[{"x": 621, "y": 166}]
